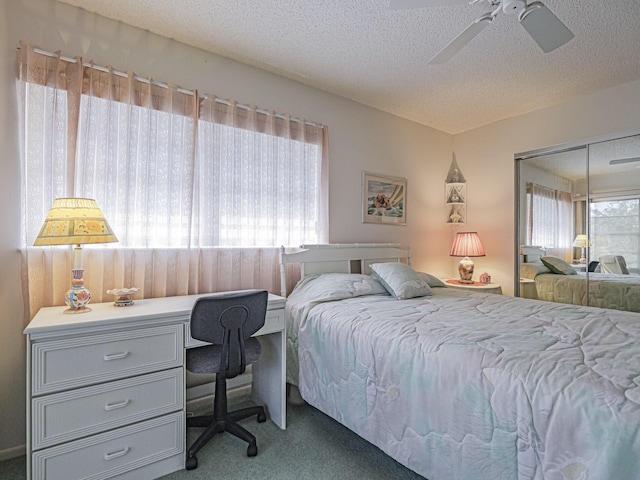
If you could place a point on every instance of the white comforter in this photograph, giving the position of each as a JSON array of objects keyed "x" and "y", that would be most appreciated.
[{"x": 472, "y": 386}]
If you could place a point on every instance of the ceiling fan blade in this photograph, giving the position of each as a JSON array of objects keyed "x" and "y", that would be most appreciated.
[
  {"x": 461, "y": 40},
  {"x": 407, "y": 4},
  {"x": 544, "y": 27},
  {"x": 624, "y": 160}
]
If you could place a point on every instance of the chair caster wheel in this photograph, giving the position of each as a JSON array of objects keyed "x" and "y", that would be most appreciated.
[
  {"x": 252, "y": 451},
  {"x": 191, "y": 463},
  {"x": 262, "y": 417}
]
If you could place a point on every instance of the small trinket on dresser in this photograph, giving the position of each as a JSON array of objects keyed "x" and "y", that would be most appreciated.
[{"x": 485, "y": 278}]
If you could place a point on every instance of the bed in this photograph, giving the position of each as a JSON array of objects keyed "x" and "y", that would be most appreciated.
[
  {"x": 620, "y": 292},
  {"x": 462, "y": 385}
]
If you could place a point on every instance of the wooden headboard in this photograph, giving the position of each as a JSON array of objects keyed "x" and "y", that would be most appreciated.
[{"x": 340, "y": 258}]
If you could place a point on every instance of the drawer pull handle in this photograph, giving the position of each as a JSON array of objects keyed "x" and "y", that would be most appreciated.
[
  {"x": 115, "y": 356},
  {"x": 116, "y": 454},
  {"x": 114, "y": 406}
]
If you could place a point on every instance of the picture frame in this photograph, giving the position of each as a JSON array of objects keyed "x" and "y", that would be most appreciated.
[{"x": 384, "y": 199}]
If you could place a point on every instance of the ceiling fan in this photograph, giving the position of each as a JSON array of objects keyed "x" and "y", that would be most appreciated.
[{"x": 543, "y": 26}]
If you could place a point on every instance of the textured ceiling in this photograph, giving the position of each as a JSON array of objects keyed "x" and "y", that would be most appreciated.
[{"x": 362, "y": 50}]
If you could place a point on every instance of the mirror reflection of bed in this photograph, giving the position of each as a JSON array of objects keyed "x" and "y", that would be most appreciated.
[
  {"x": 554, "y": 280},
  {"x": 581, "y": 204}
]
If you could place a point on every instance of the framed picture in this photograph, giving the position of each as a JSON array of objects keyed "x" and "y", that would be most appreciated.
[{"x": 384, "y": 199}]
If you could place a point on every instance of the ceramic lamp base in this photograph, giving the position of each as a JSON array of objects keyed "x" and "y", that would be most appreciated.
[
  {"x": 78, "y": 297},
  {"x": 465, "y": 269}
]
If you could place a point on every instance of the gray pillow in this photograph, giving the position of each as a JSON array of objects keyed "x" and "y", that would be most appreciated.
[
  {"x": 558, "y": 265},
  {"x": 432, "y": 281},
  {"x": 532, "y": 270},
  {"x": 400, "y": 280}
]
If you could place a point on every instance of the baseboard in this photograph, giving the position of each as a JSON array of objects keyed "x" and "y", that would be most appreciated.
[
  {"x": 204, "y": 403},
  {"x": 201, "y": 396},
  {"x": 13, "y": 452}
]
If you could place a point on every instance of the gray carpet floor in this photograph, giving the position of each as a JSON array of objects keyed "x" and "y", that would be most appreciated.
[{"x": 312, "y": 447}]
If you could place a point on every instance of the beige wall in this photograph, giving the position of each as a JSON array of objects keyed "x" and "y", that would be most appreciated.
[{"x": 360, "y": 138}]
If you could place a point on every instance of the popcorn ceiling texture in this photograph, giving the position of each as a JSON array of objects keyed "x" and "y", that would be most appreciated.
[{"x": 360, "y": 49}]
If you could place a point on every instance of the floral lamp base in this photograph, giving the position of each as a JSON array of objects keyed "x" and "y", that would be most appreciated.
[{"x": 77, "y": 299}]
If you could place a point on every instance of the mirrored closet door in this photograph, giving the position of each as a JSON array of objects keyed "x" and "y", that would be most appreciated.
[{"x": 578, "y": 224}]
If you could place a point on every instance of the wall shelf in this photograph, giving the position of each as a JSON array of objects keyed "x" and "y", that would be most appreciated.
[{"x": 455, "y": 195}]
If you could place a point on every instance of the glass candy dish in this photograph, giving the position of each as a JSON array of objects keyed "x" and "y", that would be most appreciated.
[{"x": 123, "y": 296}]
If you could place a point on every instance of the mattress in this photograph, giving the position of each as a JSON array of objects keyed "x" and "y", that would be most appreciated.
[{"x": 461, "y": 385}]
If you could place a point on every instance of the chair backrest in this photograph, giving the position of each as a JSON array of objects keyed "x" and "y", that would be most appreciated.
[
  {"x": 228, "y": 319},
  {"x": 593, "y": 264},
  {"x": 614, "y": 264}
]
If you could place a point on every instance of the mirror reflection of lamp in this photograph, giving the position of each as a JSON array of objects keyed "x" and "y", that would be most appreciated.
[
  {"x": 466, "y": 244},
  {"x": 582, "y": 241},
  {"x": 75, "y": 221}
]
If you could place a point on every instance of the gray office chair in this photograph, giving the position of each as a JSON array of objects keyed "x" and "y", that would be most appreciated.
[
  {"x": 227, "y": 321},
  {"x": 613, "y": 264}
]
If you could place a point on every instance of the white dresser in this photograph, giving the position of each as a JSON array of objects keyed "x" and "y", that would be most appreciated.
[{"x": 106, "y": 389}]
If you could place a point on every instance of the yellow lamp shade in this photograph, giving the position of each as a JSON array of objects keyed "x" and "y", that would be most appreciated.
[
  {"x": 581, "y": 241},
  {"x": 75, "y": 221}
]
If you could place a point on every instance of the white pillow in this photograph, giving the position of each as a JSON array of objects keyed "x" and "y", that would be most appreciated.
[
  {"x": 400, "y": 280},
  {"x": 558, "y": 265},
  {"x": 432, "y": 281},
  {"x": 532, "y": 270}
]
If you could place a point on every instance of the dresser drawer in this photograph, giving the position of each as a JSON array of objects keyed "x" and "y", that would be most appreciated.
[
  {"x": 112, "y": 453},
  {"x": 86, "y": 360},
  {"x": 274, "y": 322},
  {"x": 66, "y": 416}
]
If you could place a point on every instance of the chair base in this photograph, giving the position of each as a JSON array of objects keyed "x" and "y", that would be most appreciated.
[{"x": 222, "y": 421}]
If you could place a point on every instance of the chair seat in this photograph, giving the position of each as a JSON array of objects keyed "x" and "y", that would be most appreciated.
[{"x": 207, "y": 359}]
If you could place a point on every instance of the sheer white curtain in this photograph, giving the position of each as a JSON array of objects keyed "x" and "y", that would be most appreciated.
[
  {"x": 200, "y": 193},
  {"x": 550, "y": 220}
]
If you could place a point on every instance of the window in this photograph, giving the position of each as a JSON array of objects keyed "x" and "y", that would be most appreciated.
[
  {"x": 549, "y": 220},
  {"x": 615, "y": 229},
  {"x": 201, "y": 192},
  {"x": 232, "y": 187}
]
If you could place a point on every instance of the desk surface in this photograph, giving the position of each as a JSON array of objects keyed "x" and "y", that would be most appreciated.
[{"x": 103, "y": 314}]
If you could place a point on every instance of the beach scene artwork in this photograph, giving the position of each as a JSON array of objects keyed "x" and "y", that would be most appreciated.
[{"x": 384, "y": 199}]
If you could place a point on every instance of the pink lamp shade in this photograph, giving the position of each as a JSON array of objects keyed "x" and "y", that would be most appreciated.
[{"x": 466, "y": 244}]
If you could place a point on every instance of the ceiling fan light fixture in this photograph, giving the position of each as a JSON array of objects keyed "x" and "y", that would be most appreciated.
[{"x": 544, "y": 27}]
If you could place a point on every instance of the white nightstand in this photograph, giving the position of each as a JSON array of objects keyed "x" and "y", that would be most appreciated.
[
  {"x": 528, "y": 288},
  {"x": 475, "y": 286}
]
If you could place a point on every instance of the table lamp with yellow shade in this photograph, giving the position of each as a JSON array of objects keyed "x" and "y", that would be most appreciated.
[
  {"x": 582, "y": 242},
  {"x": 75, "y": 221}
]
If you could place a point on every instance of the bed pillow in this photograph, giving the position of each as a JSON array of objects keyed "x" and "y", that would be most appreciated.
[
  {"x": 432, "y": 281},
  {"x": 323, "y": 287},
  {"x": 558, "y": 265},
  {"x": 400, "y": 280},
  {"x": 531, "y": 270}
]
